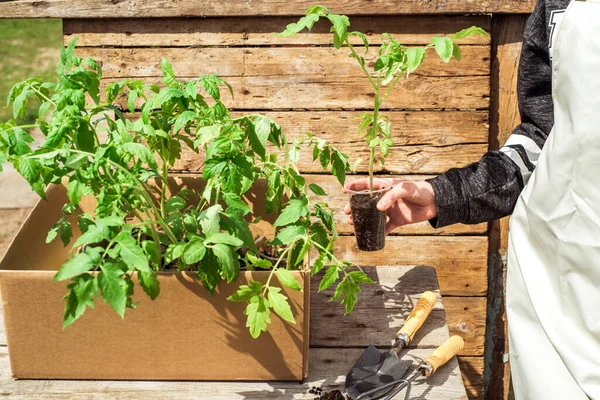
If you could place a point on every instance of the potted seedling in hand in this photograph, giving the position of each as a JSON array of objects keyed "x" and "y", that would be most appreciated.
[{"x": 394, "y": 61}]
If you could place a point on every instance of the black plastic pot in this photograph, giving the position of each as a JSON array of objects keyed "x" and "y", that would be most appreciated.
[{"x": 369, "y": 222}]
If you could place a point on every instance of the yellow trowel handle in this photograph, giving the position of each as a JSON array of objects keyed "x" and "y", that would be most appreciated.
[
  {"x": 418, "y": 316},
  {"x": 442, "y": 355}
]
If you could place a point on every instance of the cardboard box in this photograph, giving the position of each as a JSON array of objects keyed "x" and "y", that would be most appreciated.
[{"x": 185, "y": 334}]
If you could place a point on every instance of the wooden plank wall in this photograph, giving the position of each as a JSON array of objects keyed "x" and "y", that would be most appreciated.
[
  {"x": 440, "y": 120},
  {"x": 507, "y": 34},
  {"x": 210, "y": 8}
]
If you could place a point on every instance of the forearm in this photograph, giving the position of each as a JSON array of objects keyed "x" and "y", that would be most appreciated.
[{"x": 482, "y": 191}]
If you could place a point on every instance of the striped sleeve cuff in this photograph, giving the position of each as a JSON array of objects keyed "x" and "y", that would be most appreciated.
[{"x": 524, "y": 152}]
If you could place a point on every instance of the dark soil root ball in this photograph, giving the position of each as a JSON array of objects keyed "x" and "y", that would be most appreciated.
[
  {"x": 333, "y": 395},
  {"x": 369, "y": 222}
]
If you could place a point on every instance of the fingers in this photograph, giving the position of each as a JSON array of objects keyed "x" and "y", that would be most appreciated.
[
  {"x": 389, "y": 227},
  {"x": 347, "y": 209},
  {"x": 350, "y": 221},
  {"x": 391, "y": 197}
]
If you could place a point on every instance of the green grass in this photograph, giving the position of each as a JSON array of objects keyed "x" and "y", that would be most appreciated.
[{"x": 29, "y": 48}]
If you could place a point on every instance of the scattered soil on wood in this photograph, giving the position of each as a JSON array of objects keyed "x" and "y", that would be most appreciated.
[{"x": 333, "y": 395}]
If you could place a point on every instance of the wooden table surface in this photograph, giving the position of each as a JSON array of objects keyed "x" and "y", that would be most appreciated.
[{"x": 336, "y": 343}]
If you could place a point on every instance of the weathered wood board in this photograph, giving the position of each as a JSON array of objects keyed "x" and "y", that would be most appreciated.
[
  {"x": 208, "y": 8},
  {"x": 264, "y": 62},
  {"x": 253, "y": 31}
]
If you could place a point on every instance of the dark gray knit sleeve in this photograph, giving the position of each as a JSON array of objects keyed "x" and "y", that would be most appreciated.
[{"x": 489, "y": 189}]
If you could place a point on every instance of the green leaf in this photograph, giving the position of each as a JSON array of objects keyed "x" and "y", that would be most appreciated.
[
  {"x": 80, "y": 263},
  {"x": 351, "y": 291},
  {"x": 305, "y": 22},
  {"x": 53, "y": 232},
  {"x": 207, "y": 134},
  {"x": 75, "y": 191},
  {"x": 246, "y": 292},
  {"x": 456, "y": 53},
  {"x": 319, "y": 234},
  {"x": 193, "y": 252},
  {"x": 183, "y": 119},
  {"x": 227, "y": 259},
  {"x": 414, "y": 57},
  {"x": 259, "y": 135},
  {"x": 332, "y": 275},
  {"x": 112, "y": 287},
  {"x": 95, "y": 234},
  {"x": 444, "y": 47},
  {"x": 240, "y": 228},
  {"x": 149, "y": 283},
  {"x": 173, "y": 252},
  {"x": 224, "y": 238},
  {"x": 132, "y": 254},
  {"x": 339, "y": 290},
  {"x": 132, "y": 96},
  {"x": 340, "y": 28},
  {"x": 318, "y": 264},
  {"x": 473, "y": 30},
  {"x": 258, "y": 313},
  {"x": 275, "y": 193},
  {"x": 82, "y": 291},
  {"x": 76, "y": 161},
  {"x": 174, "y": 203},
  {"x": 165, "y": 95},
  {"x": 301, "y": 249},
  {"x": 316, "y": 189},
  {"x": 325, "y": 157},
  {"x": 85, "y": 222},
  {"x": 360, "y": 277},
  {"x": 234, "y": 201},
  {"x": 357, "y": 162},
  {"x": 153, "y": 252},
  {"x": 141, "y": 152},
  {"x": 339, "y": 165},
  {"x": 209, "y": 272},
  {"x": 211, "y": 221},
  {"x": 318, "y": 10},
  {"x": 43, "y": 110},
  {"x": 19, "y": 104},
  {"x": 363, "y": 38},
  {"x": 280, "y": 304},
  {"x": 211, "y": 85},
  {"x": 290, "y": 233},
  {"x": 66, "y": 233},
  {"x": 385, "y": 150},
  {"x": 258, "y": 262},
  {"x": 288, "y": 279},
  {"x": 169, "y": 76},
  {"x": 29, "y": 168},
  {"x": 295, "y": 209}
]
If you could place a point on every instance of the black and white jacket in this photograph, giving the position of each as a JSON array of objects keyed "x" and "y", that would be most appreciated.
[{"x": 489, "y": 189}]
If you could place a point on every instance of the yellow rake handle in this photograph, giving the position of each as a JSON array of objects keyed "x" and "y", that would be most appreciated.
[
  {"x": 418, "y": 315},
  {"x": 443, "y": 354}
]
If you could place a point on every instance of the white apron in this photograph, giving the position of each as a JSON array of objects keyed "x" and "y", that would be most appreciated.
[{"x": 553, "y": 284}]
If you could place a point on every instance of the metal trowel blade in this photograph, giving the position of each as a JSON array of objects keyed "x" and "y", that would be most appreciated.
[{"x": 374, "y": 369}]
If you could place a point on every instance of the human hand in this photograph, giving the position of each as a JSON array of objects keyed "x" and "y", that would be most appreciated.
[{"x": 408, "y": 202}]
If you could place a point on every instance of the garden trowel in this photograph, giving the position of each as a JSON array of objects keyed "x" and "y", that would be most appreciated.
[
  {"x": 375, "y": 369},
  {"x": 427, "y": 367}
]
